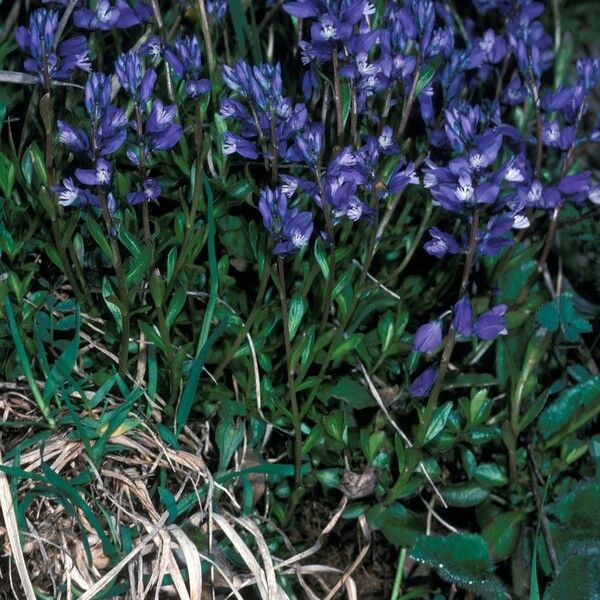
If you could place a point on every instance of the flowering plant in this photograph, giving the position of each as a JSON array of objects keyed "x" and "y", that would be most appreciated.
[{"x": 323, "y": 253}]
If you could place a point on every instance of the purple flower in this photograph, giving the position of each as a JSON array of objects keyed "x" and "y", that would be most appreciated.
[
  {"x": 74, "y": 139},
  {"x": 185, "y": 60},
  {"x": 97, "y": 93},
  {"x": 576, "y": 186},
  {"x": 402, "y": 176},
  {"x": 462, "y": 322},
  {"x": 129, "y": 71},
  {"x": 100, "y": 175},
  {"x": 422, "y": 385},
  {"x": 493, "y": 46},
  {"x": 461, "y": 125},
  {"x": 106, "y": 17},
  {"x": 309, "y": 145},
  {"x": 69, "y": 194},
  {"x": 538, "y": 196},
  {"x": 341, "y": 196},
  {"x": 441, "y": 244},
  {"x": 588, "y": 70},
  {"x": 37, "y": 41},
  {"x": 161, "y": 131},
  {"x": 153, "y": 48},
  {"x": 495, "y": 239},
  {"x": 217, "y": 9},
  {"x": 515, "y": 92},
  {"x": 428, "y": 337},
  {"x": 150, "y": 192},
  {"x": 234, "y": 143},
  {"x": 288, "y": 227},
  {"x": 491, "y": 323}
]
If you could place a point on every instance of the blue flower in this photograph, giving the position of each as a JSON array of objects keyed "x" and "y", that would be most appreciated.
[
  {"x": 160, "y": 129},
  {"x": 428, "y": 337},
  {"x": 441, "y": 244},
  {"x": 185, "y": 60},
  {"x": 233, "y": 143},
  {"x": 150, "y": 192},
  {"x": 37, "y": 41},
  {"x": 131, "y": 76},
  {"x": 69, "y": 194},
  {"x": 289, "y": 228},
  {"x": 491, "y": 323},
  {"x": 74, "y": 139},
  {"x": 462, "y": 321},
  {"x": 106, "y": 17},
  {"x": 101, "y": 175},
  {"x": 422, "y": 385}
]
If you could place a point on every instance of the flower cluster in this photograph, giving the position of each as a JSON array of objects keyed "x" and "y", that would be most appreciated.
[
  {"x": 185, "y": 60},
  {"x": 106, "y": 17},
  {"x": 289, "y": 228},
  {"x": 46, "y": 59},
  {"x": 264, "y": 114},
  {"x": 108, "y": 131}
]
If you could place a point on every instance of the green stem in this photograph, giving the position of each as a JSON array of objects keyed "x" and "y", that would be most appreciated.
[
  {"x": 121, "y": 282},
  {"x": 142, "y": 173},
  {"x": 249, "y": 321},
  {"x": 213, "y": 267},
  {"x": 291, "y": 376},
  {"x": 339, "y": 330},
  {"x": 189, "y": 226},
  {"x": 47, "y": 115},
  {"x": 450, "y": 340},
  {"x": 399, "y": 574}
]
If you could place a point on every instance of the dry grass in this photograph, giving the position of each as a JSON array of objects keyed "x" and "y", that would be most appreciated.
[{"x": 214, "y": 551}]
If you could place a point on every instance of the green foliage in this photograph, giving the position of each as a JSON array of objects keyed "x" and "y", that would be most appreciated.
[{"x": 462, "y": 559}]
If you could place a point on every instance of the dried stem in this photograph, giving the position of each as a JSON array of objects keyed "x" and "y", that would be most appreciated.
[
  {"x": 208, "y": 47},
  {"x": 337, "y": 98},
  {"x": 410, "y": 100}
]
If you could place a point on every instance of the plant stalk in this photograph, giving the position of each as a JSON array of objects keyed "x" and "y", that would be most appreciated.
[{"x": 291, "y": 375}]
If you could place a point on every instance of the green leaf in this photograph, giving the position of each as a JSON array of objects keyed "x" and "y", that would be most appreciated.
[
  {"x": 502, "y": 534},
  {"x": 321, "y": 257},
  {"x": 189, "y": 392},
  {"x": 175, "y": 307},
  {"x": 438, "y": 421},
  {"x": 398, "y": 524},
  {"x": 228, "y": 437},
  {"x": 464, "y": 495},
  {"x": 578, "y": 579},
  {"x": 346, "y": 98},
  {"x": 108, "y": 295},
  {"x": 462, "y": 559},
  {"x": 425, "y": 76},
  {"x": 295, "y": 313},
  {"x": 350, "y": 343},
  {"x": 567, "y": 406},
  {"x": 335, "y": 425},
  {"x": 355, "y": 394},
  {"x": 548, "y": 316},
  {"x": 491, "y": 474}
]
